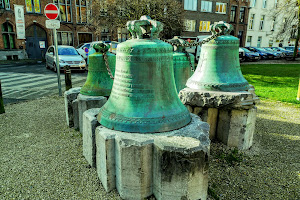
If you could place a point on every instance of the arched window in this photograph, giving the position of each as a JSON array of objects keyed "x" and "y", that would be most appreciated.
[{"x": 8, "y": 36}]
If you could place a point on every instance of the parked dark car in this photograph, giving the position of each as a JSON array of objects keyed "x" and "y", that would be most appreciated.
[
  {"x": 250, "y": 55},
  {"x": 271, "y": 50},
  {"x": 287, "y": 53},
  {"x": 264, "y": 54},
  {"x": 291, "y": 48}
]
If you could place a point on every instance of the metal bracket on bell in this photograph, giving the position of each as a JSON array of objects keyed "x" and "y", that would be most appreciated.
[
  {"x": 222, "y": 27},
  {"x": 144, "y": 28},
  {"x": 101, "y": 47}
]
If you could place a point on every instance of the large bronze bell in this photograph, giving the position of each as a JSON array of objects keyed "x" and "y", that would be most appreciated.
[
  {"x": 183, "y": 64},
  {"x": 219, "y": 65},
  {"x": 144, "y": 97},
  {"x": 99, "y": 82}
]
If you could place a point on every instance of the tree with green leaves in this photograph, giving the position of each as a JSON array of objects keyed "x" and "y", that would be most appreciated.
[
  {"x": 289, "y": 12},
  {"x": 114, "y": 14}
]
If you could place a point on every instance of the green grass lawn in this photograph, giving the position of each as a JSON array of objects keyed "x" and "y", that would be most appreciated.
[{"x": 274, "y": 81}]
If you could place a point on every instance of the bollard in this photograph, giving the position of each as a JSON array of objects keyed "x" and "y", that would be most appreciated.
[
  {"x": 298, "y": 95},
  {"x": 1, "y": 101},
  {"x": 68, "y": 80}
]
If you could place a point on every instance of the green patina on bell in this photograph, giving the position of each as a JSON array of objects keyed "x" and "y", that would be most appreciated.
[
  {"x": 99, "y": 82},
  {"x": 219, "y": 66},
  {"x": 144, "y": 97},
  {"x": 182, "y": 65}
]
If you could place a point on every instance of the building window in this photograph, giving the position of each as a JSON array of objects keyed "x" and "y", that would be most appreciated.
[
  {"x": 251, "y": 21},
  {"x": 190, "y": 5},
  {"x": 249, "y": 40},
  {"x": 189, "y": 25},
  {"x": 81, "y": 11},
  {"x": 5, "y": 4},
  {"x": 264, "y": 4},
  {"x": 85, "y": 37},
  {"x": 242, "y": 15},
  {"x": 259, "y": 41},
  {"x": 8, "y": 36},
  {"x": 271, "y": 42},
  {"x": 33, "y": 6},
  {"x": 233, "y": 13},
  {"x": 64, "y": 38},
  {"x": 65, "y": 13},
  {"x": 206, "y": 6},
  {"x": 261, "y": 23},
  {"x": 252, "y": 3},
  {"x": 273, "y": 24},
  {"x": 204, "y": 26},
  {"x": 221, "y": 8}
]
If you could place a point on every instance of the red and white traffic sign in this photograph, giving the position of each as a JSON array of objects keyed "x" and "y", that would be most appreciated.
[{"x": 51, "y": 11}]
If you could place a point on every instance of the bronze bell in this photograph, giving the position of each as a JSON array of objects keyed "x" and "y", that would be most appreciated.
[
  {"x": 183, "y": 63},
  {"x": 144, "y": 97},
  {"x": 219, "y": 66},
  {"x": 99, "y": 82}
]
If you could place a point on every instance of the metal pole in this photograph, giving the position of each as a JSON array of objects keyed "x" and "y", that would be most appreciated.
[
  {"x": 2, "y": 110},
  {"x": 57, "y": 62},
  {"x": 298, "y": 95}
]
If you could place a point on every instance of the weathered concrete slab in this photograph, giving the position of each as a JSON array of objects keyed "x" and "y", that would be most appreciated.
[
  {"x": 75, "y": 114},
  {"x": 130, "y": 161},
  {"x": 69, "y": 97},
  {"x": 88, "y": 135},
  {"x": 87, "y": 102}
]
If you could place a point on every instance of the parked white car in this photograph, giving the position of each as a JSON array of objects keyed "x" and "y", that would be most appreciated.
[
  {"x": 67, "y": 56},
  {"x": 83, "y": 49}
]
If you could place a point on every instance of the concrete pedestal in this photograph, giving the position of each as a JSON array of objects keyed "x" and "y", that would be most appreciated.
[
  {"x": 87, "y": 102},
  {"x": 88, "y": 135},
  {"x": 231, "y": 115},
  {"x": 170, "y": 165},
  {"x": 70, "y": 96}
]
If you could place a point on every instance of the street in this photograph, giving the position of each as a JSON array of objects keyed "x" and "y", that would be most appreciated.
[{"x": 32, "y": 81}]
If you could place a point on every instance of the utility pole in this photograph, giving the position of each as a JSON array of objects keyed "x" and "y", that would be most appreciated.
[
  {"x": 296, "y": 45},
  {"x": 2, "y": 110}
]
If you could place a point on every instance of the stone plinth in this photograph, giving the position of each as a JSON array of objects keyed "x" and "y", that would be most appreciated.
[
  {"x": 70, "y": 96},
  {"x": 231, "y": 115},
  {"x": 170, "y": 165},
  {"x": 87, "y": 102},
  {"x": 88, "y": 135}
]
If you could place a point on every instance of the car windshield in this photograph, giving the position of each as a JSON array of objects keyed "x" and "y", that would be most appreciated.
[
  {"x": 269, "y": 49},
  {"x": 67, "y": 51},
  {"x": 246, "y": 50},
  {"x": 282, "y": 49}
]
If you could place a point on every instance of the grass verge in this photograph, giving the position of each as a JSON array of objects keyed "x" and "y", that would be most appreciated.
[{"x": 277, "y": 82}]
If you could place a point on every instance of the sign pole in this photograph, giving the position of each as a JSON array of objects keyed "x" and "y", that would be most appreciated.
[{"x": 57, "y": 62}]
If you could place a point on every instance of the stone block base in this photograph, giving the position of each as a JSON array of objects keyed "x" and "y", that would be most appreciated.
[
  {"x": 231, "y": 115},
  {"x": 170, "y": 165},
  {"x": 88, "y": 135},
  {"x": 70, "y": 96},
  {"x": 87, "y": 102}
]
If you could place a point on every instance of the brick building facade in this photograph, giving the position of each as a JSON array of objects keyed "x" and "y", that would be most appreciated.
[
  {"x": 238, "y": 17},
  {"x": 73, "y": 30}
]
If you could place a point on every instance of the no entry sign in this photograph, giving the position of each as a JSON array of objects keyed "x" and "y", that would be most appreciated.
[{"x": 51, "y": 11}]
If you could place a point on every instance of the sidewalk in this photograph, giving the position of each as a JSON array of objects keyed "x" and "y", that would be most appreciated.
[
  {"x": 6, "y": 63},
  {"x": 41, "y": 158}
]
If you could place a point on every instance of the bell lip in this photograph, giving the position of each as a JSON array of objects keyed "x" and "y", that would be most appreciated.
[
  {"x": 97, "y": 93},
  {"x": 222, "y": 87},
  {"x": 147, "y": 129}
]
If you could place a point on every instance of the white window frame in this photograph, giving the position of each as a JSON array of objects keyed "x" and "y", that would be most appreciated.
[
  {"x": 68, "y": 32},
  {"x": 251, "y": 21},
  {"x": 223, "y": 7},
  {"x": 79, "y": 21},
  {"x": 206, "y": 24},
  {"x": 261, "y": 22},
  {"x": 33, "y": 6},
  {"x": 259, "y": 41},
  {"x": 252, "y": 3},
  {"x": 190, "y": 5},
  {"x": 206, "y": 6},
  {"x": 264, "y": 4},
  {"x": 249, "y": 41},
  {"x": 189, "y": 25}
]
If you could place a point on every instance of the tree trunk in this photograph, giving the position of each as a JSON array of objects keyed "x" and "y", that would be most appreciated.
[
  {"x": 1, "y": 101},
  {"x": 298, "y": 35}
]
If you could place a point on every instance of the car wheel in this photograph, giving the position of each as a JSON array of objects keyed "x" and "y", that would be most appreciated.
[
  {"x": 47, "y": 66},
  {"x": 243, "y": 59},
  {"x": 260, "y": 57}
]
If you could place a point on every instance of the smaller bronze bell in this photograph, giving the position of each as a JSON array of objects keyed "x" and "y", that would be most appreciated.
[
  {"x": 219, "y": 66},
  {"x": 99, "y": 81},
  {"x": 183, "y": 63}
]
